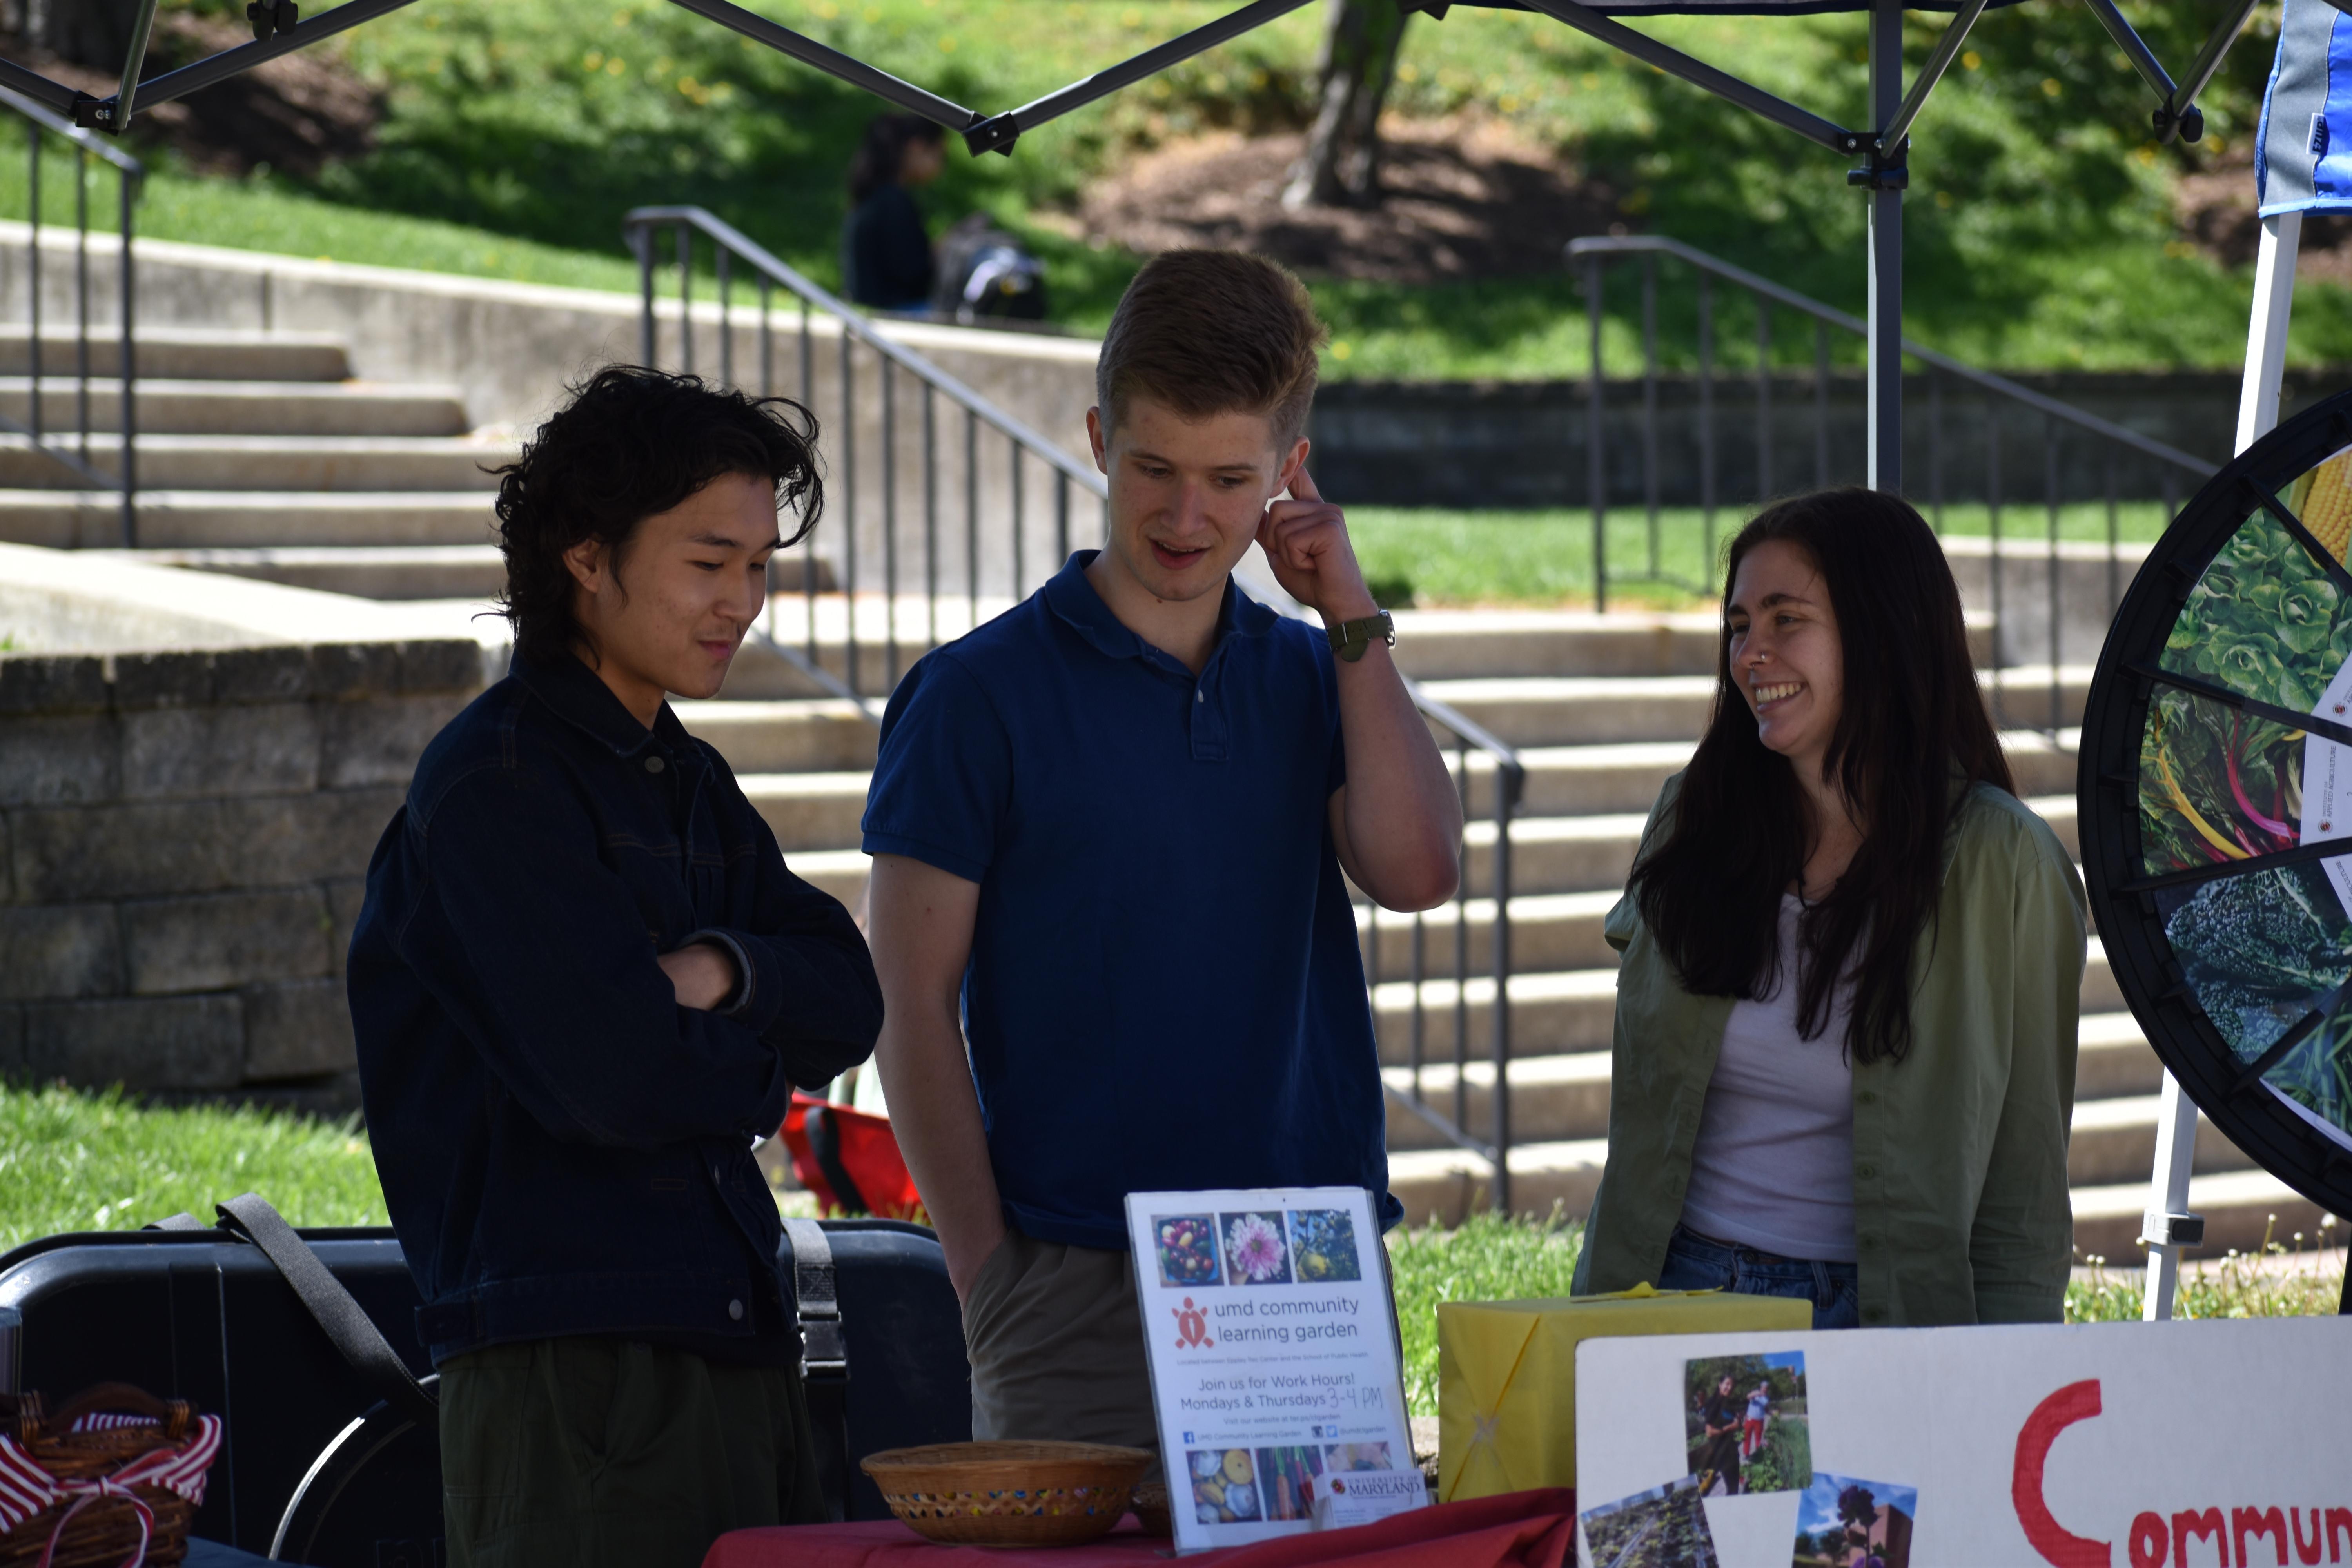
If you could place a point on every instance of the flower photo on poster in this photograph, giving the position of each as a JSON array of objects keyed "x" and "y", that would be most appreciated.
[{"x": 1256, "y": 1251}]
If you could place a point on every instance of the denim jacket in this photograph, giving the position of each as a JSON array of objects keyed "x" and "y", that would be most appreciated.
[{"x": 564, "y": 1149}]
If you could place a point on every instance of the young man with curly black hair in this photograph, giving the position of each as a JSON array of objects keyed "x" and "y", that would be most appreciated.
[{"x": 582, "y": 984}]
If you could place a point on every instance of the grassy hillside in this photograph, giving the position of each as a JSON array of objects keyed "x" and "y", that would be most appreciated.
[{"x": 2041, "y": 227}]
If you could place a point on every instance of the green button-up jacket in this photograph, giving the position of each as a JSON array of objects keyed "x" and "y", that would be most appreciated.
[{"x": 1961, "y": 1205}]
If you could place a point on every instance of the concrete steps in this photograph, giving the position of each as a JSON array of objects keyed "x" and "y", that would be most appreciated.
[
  {"x": 191, "y": 519},
  {"x": 362, "y": 571},
  {"x": 182, "y": 353},
  {"x": 190, "y": 407},
  {"x": 271, "y": 462}
]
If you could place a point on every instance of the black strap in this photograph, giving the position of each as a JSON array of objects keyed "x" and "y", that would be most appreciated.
[
  {"x": 816, "y": 1299},
  {"x": 345, "y": 1322}
]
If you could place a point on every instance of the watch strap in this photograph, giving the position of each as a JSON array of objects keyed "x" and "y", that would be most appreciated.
[{"x": 1350, "y": 638}]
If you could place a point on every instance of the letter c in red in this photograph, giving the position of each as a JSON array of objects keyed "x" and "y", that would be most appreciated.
[{"x": 2058, "y": 1546}]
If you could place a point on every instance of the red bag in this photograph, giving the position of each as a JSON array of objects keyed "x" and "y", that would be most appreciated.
[{"x": 850, "y": 1160}]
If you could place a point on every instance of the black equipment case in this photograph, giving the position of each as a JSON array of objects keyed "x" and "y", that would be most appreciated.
[{"x": 316, "y": 1452}]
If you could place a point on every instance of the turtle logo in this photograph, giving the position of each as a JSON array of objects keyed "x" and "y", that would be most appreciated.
[{"x": 1191, "y": 1326}]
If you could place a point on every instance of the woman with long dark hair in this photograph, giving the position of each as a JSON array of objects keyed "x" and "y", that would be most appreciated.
[
  {"x": 1845, "y": 1037},
  {"x": 886, "y": 253}
]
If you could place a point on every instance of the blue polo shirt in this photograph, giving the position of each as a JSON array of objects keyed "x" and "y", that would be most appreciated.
[{"x": 1164, "y": 989}]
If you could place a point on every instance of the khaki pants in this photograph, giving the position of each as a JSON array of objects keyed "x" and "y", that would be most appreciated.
[
  {"x": 1056, "y": 1347},
  {"x": 596, "y": 1453}
]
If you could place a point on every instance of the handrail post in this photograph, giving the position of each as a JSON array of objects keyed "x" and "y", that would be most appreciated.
[
  {"x": 1508, "y": 780},
  {"x": 641, "y": 240},
  {"x": 33, "y": 277},
  {"x": 1596, "y": 468},
  {"x": 130, "y": 184},
  {"x": 686, "y": 297}
]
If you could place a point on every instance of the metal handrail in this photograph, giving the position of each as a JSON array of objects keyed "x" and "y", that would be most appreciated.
[
  {"x": 41, "y": 122},
  {"x": 732, "y": 248},
  {"x": 1453, "y": 1123},
  {"x": 1755, "y": 283},
  {"x": 643, "y": 219}
]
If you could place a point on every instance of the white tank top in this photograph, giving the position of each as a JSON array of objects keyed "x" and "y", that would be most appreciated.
[{"x": 1773, "y": 1165}]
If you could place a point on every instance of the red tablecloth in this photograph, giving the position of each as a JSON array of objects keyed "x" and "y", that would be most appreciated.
[{"x": 1519, "y": 1530}]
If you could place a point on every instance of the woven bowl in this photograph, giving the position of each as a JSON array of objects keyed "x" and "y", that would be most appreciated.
[
  {"x": 1008, "y": 1494},
  {"x": 1151, "y": 1509}
]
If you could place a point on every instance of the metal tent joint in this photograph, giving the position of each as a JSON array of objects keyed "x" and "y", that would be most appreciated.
[
  {"x": 1884, "y": 169},
  {"x": 2176, "y": 113}
]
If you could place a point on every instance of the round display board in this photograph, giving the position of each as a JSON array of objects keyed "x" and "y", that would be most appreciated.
[{"x": 2216, "y": 784}]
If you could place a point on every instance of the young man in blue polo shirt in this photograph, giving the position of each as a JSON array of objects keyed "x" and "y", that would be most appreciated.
[{"x": 1108, "y": 830}]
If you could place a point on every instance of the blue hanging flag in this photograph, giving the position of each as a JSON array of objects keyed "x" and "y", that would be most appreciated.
[{"x": 2302, "y": 155}]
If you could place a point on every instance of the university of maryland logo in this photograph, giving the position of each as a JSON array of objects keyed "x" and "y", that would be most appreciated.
[{"x": 1191, "y": 1326}]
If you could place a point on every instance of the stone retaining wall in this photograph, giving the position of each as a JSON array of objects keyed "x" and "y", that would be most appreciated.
[{"x": 184, "y": 837}]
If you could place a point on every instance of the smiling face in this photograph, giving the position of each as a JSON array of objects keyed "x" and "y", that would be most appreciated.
[
  {"x": 1186, "y": 495},
  {"x": 669, "y": 614},
  {"x": 1785, "y": 653}
]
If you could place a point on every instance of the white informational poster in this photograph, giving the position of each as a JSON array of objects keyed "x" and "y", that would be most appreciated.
[
  {"x": 2178, "y": 1445},
  {"x": 1272, "y": 1341}
]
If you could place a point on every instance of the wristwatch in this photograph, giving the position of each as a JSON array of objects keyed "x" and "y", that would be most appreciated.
[{"x": 1350, "y": 638}]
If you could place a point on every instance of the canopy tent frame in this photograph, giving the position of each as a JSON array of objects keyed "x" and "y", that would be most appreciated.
[{"x": 1883, "y": 175}]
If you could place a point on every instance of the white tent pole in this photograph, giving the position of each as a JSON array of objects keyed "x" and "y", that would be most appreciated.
[
  {"x": 2168, "y": 1226},
  {"x": 2258, "y": 399}
]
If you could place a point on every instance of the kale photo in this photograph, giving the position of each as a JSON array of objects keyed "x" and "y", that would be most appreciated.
[
  {"x": 2264, "y": 620},
  {"x": 2261, "y": 952}
]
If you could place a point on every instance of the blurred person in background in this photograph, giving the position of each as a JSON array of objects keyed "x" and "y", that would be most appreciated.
[{"x": 886, "y": 254}]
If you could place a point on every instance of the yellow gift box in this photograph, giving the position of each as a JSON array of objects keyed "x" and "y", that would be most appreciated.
[{"x": 1506, "y": 1374}]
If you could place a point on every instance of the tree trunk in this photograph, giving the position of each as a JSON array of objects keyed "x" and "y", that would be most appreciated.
[
  {"x": 93, "y": 33},
  {"x": 1341, "y": 163}
]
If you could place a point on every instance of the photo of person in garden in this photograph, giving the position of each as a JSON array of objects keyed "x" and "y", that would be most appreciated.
[
  {"x": 1745, "y": 1424},
  {"x": 1751, "y": 1430}
]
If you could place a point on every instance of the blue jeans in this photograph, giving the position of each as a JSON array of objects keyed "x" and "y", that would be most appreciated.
[{"x": 1694, "y": 1262}]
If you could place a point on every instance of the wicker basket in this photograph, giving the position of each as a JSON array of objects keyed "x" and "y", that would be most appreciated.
[
  {"x": 105, "y": 1532},
  {"x": 1151, "y": 1509},
  {"x": 1008, "y": 1494}
]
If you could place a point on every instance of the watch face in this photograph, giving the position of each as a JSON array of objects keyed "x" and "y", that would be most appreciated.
[{"x": 2216, "y": 779}]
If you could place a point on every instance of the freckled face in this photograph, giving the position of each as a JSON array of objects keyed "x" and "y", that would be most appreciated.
[{"x": 1786, "y": 655}]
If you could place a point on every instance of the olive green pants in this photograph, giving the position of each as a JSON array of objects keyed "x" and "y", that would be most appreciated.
[{"x": 593, "y": 1453}]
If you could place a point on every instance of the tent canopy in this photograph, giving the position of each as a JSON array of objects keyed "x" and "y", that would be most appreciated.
[{"x": 1882, "y": 145}]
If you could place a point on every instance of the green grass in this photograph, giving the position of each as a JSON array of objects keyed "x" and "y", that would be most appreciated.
[
  {"x": 2039, "y": 225},
  {"x": 1488, "y": 1258},
  {"x": 1436, "y": 557},
  {"x": 2288, "y": 1281},
  {"x": 71, "y": 1160}
]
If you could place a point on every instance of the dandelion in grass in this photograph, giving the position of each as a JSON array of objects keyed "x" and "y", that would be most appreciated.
[{"x": 1255, "y": 1249}]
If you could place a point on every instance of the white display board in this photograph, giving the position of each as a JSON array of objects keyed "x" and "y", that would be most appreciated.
[
  {"x": 2181, "y": 1445},
  {"x": 1272, "y": 1341}
]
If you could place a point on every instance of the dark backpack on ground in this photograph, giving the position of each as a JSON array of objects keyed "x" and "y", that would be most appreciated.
[{"x": 986, "y": 274}]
